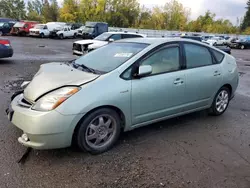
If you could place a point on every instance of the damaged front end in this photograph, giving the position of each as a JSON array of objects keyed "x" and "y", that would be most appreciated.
[{"x": 81, "y": 49}]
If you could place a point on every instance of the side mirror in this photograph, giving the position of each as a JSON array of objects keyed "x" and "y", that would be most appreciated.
[
  {"x": 144, "y": 70},
  {"x": 111, "y": 40}
]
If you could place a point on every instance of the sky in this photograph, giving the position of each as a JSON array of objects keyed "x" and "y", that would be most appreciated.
[{"x": 226, "y": 9}]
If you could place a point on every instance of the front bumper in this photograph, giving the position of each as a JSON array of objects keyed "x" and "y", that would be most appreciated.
[
  {"x": 34, "y": 34},
  {"x": 45, "y": 130}
]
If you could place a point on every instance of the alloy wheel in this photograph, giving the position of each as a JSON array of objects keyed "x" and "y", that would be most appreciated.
[
  {"x": 100, "y": 131},
  {"x": 222, "y": 101}
]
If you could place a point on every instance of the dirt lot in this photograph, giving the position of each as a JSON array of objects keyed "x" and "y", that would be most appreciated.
[{"x": 193, "y": 151}]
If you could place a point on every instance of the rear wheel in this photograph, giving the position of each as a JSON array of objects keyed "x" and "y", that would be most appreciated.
[
  {"x": 242, "y": 47},
  {"x": 221, "y": 102},
  {"x": 99, "y": 131}
]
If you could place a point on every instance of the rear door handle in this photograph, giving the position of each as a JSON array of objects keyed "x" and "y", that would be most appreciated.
[
  {"x": 178, "y": 81},
  {"x": 217, "y": 73}
]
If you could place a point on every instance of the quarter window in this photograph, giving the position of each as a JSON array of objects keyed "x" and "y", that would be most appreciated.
[
  {"x": 219, "y": 56},
  {"x": 197, "y": 56},
  {"x": 165, "y": 60}
]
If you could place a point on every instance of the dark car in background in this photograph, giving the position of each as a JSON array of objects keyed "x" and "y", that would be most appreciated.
[
  {"x": 241, "y": 44},
  {"x": 94, "y": 29},
  {"x": 5, "y": 27},
  {"x": 5, "y": 48}
]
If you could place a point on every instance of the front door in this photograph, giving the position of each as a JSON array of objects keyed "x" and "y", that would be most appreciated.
[
  {"x": 203, "y": 76},
  {"x": 161, "y": 93}
]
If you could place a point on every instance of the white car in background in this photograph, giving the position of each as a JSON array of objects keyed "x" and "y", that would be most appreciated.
[
  {"x": 80, "y": 30},
  {"x": 66, "y": 32},
  {"x": 82, "y": 47},
  {"x": 216, "y": 41},
  {"x": 45, "y": 30},
  {"x": 40, "y": 30}
]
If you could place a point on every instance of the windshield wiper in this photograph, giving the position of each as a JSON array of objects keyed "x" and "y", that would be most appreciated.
[{"x": 87, "y": 68}]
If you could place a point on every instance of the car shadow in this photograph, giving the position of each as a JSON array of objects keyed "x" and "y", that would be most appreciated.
[{"x": 6, "y": 61}]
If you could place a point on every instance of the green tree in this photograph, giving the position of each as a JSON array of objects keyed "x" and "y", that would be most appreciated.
[
  {"x": 246, "y": 20},
  {"x": 13, "y": 9},
  {"x": 35, "y": 10},
  {"x": 70, "y": 11}
]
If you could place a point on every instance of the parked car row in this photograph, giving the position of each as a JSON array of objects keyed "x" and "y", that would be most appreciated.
[{"x": 52, "y": 29}]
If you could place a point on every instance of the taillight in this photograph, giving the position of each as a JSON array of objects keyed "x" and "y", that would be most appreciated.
[{"x": 5, "y": 42}]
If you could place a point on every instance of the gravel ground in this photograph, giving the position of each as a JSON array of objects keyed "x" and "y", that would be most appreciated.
[{"x": 192, "y": 151}]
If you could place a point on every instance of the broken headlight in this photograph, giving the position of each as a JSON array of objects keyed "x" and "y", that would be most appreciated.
[{"x": 53, "y": 99}]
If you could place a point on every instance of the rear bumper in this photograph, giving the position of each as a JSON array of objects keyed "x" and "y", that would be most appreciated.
[{"x": 6, "y": 52}]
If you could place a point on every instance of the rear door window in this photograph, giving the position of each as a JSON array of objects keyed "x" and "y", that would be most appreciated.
[{"x": 197, "y": 56}]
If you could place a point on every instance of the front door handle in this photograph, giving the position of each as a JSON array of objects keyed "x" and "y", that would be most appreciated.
[
  {"x": 178, "y": 81},
  {"x": 217, "y": 73}
]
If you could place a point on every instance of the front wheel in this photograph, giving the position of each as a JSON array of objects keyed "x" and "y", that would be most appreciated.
[
  {"x": 42, "y": 35},
  {"x": 99, "y": 131},
  {"x": 242, "y": 47},
  {"x": 61, "y": 36},
  {"x": 221, "y": 102}
]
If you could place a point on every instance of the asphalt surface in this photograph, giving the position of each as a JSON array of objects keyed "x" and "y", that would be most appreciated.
[{"x": 192, "y": 151}]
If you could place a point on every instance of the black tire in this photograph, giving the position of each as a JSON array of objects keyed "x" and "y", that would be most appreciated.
[
  {"x": 61, "y": 36},
  {"x": 42, "y": 35},
  {"x": 213, "y": 109},
  {"x": 75, "y": 35},
  {"x": 84, "y": 127},
  {"x": 242, "y": 47}
]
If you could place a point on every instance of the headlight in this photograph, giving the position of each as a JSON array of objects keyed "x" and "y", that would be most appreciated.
[{"x": 53, "y": 99}]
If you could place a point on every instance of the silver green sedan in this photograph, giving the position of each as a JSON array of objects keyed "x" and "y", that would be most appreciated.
[{"x": 119, "y": 87}]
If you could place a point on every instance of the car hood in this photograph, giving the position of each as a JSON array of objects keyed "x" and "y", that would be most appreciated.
[
  {"x": 55, "y": 75},
  {"x": 93, "y": 43}
]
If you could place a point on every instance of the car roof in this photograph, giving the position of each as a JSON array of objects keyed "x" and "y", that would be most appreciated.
[{"x": 122, "y": 32}]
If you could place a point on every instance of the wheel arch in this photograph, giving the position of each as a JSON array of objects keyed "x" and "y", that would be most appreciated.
[
  {"x": 118, "y": 110},
  {"x": 229, "y": 87}
]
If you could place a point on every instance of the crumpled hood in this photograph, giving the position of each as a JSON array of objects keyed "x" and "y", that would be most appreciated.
[
  {"x": 54, "y": 75},
  {"x": 92, "y": 43}
]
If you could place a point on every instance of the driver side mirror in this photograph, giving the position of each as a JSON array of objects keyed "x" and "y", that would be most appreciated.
[
  {"x": 111, "y": 40},
  {"x": 144, "y": 70}
]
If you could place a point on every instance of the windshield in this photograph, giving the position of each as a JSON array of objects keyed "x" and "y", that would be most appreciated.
[
  {"x": 88, "y": 29},
  {"x": 39, "y": 26},
  {"x": 19, "y": 24},
  {"x": 103, "y": 37},
  {"x": 1, "y": 24},
  {"x": 109, "y": 57}
]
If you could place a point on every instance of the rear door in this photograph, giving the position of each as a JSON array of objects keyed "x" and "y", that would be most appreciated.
[{"x": 203, "y": 76}]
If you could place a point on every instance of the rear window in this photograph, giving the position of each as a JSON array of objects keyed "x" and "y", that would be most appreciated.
[{"x": 218, "y": 55}]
